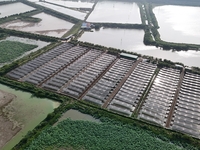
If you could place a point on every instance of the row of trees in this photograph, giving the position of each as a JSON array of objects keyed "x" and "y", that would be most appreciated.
[
  {"x": 28, "y": 35},
  {"x": 120, "y": 25}
]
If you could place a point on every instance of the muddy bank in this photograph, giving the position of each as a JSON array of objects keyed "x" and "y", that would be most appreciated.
[{"x": 7, "y": 127}]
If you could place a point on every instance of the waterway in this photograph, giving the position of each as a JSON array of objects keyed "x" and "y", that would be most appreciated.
[
  {"x": 178, "y": 24},
  {"x": 15, "y": 8},
  {"x": 115, "y": 12},
  {"x": 132, "y": 40},
  {"x": 27, "y": 111}
]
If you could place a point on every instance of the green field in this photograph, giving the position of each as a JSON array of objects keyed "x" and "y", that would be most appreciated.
[
  {"x": 107, "y": 135},
  {"x": 10, "y": 50}
]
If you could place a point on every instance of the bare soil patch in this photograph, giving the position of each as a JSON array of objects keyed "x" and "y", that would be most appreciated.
[{"x": 7, "y": 127}]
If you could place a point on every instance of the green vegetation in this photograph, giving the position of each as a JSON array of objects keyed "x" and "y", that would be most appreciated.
[
  {"x": 30, "y": 19},
  {"x": 6, "y": 2},
  {"x": 38, "y": 92},
  {"x": 11, "y": 49},
  {"x": 28, "y": 35},
  {"x": 3, "y": 36},
  {"x": 21, "y": 16},
  {"x": 98, "y": 136},
  {"x": 113, "y": 129},
  {"x": 6, "y": 68},
  {"x": 120, "y": 25},
  {"x": 74, "y": 30}
]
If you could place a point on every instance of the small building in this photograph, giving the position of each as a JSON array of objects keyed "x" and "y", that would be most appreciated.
[
  {"x": 128, "y": 56},
  {"x": 178, "y": 66},
  {"x": 86, "y": 26}
]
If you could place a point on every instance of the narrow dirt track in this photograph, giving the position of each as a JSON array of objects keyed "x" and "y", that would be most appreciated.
[
  {"x": 175, "y": 99},
  {"x": 121, "y": 83}
]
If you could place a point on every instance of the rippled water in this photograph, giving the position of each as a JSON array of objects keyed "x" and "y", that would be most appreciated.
[
  {"x": 115, "y": 12},
  {"x": 178, "y": 23},
  {"x": 132, "y": 40}
]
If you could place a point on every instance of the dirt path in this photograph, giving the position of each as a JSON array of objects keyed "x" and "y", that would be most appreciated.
[
  {"x": 7, "y": 130},
  {"x": 121, "y": 83},
  {"x": 175, "y": 99}
]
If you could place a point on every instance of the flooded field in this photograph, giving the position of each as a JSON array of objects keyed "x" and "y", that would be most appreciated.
[
  {"x": 73, "y": 4},
  {"x": 45, "y": 27},
  {"x": 15, "y": 8},
  {"x": 115, "y": 12},
  {"x": 26, "y": 112},
  {"x": 70, "y": 12},
  {"x": 76, "y": 115},
  {"x": 182, "y": 22},
  {"x": 39, "y": 43},
  {"x": 132, "y": 40}
]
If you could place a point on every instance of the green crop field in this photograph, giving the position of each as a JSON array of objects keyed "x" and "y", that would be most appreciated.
[
  {"x": 107, "y": 135},
  {"x": 10, "y": 50}
]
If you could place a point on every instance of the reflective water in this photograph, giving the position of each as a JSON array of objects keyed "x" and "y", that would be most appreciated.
[
  {"x": 49, "y": 25},
  {"x": 28, "y": 111},
  {"x": 178, "y": 23},
  {"x": 15, "y": 8},
  {"x": 70, "y": 12},
  {"x": 115, "y": 12},
  {"x": 73, "y": 4},
  {"x": 132, "y": 40}
]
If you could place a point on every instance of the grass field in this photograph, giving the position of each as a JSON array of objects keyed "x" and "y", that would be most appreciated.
[{"x": 10, "y": 50}]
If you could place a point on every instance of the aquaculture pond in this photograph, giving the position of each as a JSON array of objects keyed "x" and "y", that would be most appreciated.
[
  {"x": 132, "y": 40},
  {"x": 178, "y": 23},
  {"x": 25, "y": 112},
  {"x": 73, "y": 4},
  {"x": 70, "y": 12},
  {"x": 45, "y": 27},
  {"x": 115, "y": 12},
  {"x": 15, "y": 8}
]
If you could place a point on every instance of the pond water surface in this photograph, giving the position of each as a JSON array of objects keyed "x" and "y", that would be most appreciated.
[
  {"x": 115, "y": 12},
  {"x": 132, "y": 40},
  {"x": 70, "y": 12},
  {"x": 77, "y": 115},
  {"x": 28, "y": 111},
  {"x": 178, "y": 23},
  {"x": 73, "y": 4},
  {"x": 15, "y": 8},
  {"x": 50, "y": 25}
]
